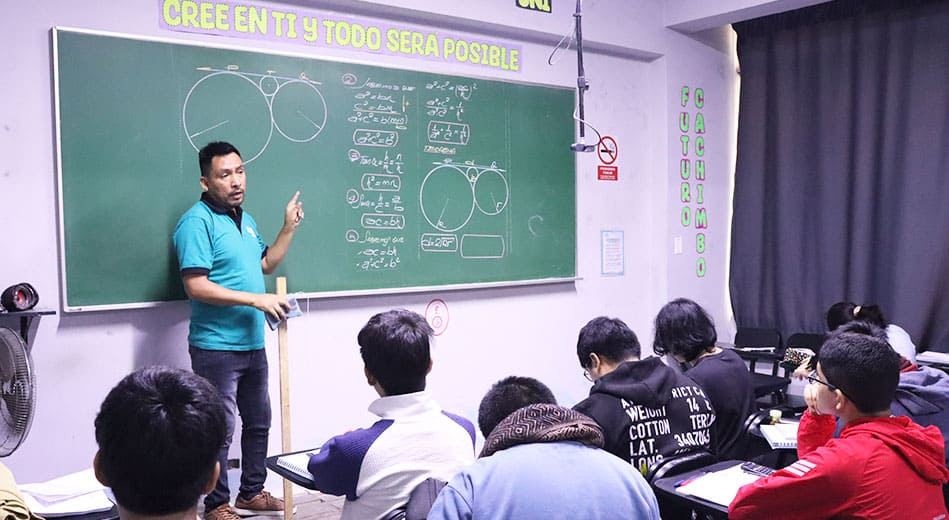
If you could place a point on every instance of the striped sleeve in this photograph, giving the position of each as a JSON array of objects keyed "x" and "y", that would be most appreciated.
[{"x": 336, "y": 467}]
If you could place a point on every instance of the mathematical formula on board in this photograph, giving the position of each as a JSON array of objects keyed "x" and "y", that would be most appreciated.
[{"x": 462, "y": 203}]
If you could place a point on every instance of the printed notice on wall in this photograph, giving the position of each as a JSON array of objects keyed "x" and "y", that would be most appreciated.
[{"x": 612, "y": 260}]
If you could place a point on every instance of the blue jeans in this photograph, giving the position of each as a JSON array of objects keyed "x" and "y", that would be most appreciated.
[{"x": 241, "y": 378}]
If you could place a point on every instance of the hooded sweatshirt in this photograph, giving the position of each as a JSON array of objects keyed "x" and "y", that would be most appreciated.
[
  {"x": 879, "y": 468},
  {"x": 649, "y": 411},
  {"x": 923, "y": 396}
]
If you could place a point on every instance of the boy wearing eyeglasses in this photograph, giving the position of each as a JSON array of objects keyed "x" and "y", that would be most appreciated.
[{"x": 880, "y": 467}]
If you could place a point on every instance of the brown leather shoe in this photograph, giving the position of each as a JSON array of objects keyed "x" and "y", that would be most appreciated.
[
  {"x": 263, "y": 504},
  {"x": 221, "y": 512}
]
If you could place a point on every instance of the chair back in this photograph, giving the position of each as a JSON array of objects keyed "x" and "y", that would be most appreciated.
[
  {"x": 752, "y": 445},
  {"x": 395, "y": 514},
  {"x": 670, "y": 466},
  {"x": 422, "y": 498},
  {"x": 420, "y": 501},
  {"x": 758, "y": 337},
  {"x": 771, "y": 385}
]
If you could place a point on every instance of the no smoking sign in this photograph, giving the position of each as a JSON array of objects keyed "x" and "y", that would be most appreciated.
[{"x": 607, "y": 150}]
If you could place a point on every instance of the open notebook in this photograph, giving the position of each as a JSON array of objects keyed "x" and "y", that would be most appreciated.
[
  {"x": 719, "y": 487},
  {"x": 294, "y": 466},
  {"x": 781, "y": 435}
]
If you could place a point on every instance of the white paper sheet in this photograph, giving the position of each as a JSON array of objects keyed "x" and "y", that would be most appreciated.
[{"x": 719, "y": 486}]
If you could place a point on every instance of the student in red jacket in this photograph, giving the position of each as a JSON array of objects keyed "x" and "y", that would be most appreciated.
[{"x": 881, "y": 467}]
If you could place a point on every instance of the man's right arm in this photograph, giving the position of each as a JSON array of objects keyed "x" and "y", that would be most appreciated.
[
  {"x": 199, "y": 287},
  {"x": 814, "y": 431}
]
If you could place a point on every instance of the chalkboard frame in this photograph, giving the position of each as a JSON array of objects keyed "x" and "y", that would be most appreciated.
[{"x": 67, "y": 307}]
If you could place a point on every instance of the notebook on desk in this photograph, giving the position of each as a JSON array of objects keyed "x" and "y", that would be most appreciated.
[
  {"x": 293, "y": 467},
  {"x": 782, "y": 435},
  {"x": 719, "y": 487}
]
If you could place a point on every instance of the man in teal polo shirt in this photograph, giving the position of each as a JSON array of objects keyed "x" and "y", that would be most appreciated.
[{"x": 223, "y": 259}]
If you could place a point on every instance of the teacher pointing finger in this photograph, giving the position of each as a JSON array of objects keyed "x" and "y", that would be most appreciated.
[{"x": 223, "y": 259}]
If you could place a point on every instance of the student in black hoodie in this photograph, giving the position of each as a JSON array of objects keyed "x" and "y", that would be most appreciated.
[
  {"x": 646, "y": 409},
  {"x": 686, "y": 332}
]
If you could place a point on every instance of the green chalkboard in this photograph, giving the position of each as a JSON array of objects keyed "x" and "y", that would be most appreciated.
[{"x": 409, "y": 179}]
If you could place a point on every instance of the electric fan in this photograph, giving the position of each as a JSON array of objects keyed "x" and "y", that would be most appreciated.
[{"x": 17, "y": 391}]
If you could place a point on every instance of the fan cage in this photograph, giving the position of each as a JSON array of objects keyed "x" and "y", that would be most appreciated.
[{"x": 17, "y": 391}]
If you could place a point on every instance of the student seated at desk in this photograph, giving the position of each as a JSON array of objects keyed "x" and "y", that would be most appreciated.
[
  {"x": 922, "y": 393},
  {"x": 647, "y": 410},
  {"x": 159, "y": 433},
  {"x": 842, "y": 313},
  {"x": 881, "y": 466},
  {"x": 541, "y": 460},
  {"x": 378, "y": 467},
  {"x": 686, "y": 332}
]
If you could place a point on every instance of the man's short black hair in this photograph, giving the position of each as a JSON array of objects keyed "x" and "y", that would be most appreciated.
[
  {"x": 160, "y": 431},
  {"x": 395, "y": 348},
  {"x": 509, "y": 395},
  {"x": 608, "y": 338},
  {"x": 683, "y": 328},
  {"x": 864, "y": 327},
  {"x": 863, "y": 367},
  {"x": 208, "y": 152}
]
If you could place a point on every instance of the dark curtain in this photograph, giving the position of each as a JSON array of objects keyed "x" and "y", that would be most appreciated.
[{"x": 842, "y": 174}]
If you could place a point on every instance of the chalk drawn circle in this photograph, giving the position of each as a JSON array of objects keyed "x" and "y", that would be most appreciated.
[
  {"x": 268, "y": 85},
  {"x": 352, "y": 196},
  {"x": 245, "y": 120},
  {"x": 299, "y": 111},
  {"x": 352, "y": 235},
  {"x": 349, "y": 79},
  {"x": 354, "y": 155},
  {"x": 491, "y": 192},
  {"x": 446, "y": 198}
]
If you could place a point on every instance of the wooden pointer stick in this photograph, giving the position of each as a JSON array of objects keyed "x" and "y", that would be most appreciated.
[{"x": 284, "y": 398}]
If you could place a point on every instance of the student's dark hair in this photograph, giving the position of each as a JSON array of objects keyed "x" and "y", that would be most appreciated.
[
  {"x": 864, "y": 327},
  {"x": 395, "y": 348},
  {"x": 870, "y": 314},
  {"x": 839, "y": 314},
  {"x": 160, "y": 431},
  {"x": 683, "y": 328},
  {"x": 863, "y": 367},
  {"x": 211, "y": 150},
  {"x": 509, "y": 395},
  {"x": 609, "y": 338}
]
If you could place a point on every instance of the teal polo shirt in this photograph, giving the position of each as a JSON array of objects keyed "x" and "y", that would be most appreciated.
[{"x": 228, "y": 249}]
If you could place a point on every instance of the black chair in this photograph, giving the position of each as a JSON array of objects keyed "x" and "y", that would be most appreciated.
[
  {"x": 773, "y": 385},
  {"x": 671, "y": 466},
  {"x": 420, "y": 501},
  {"x": 755, "y": 447},
  {"x": 751, "y": 444}
]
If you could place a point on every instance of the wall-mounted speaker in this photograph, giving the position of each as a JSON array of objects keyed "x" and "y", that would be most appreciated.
[{"x": 19, "y": 297}]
